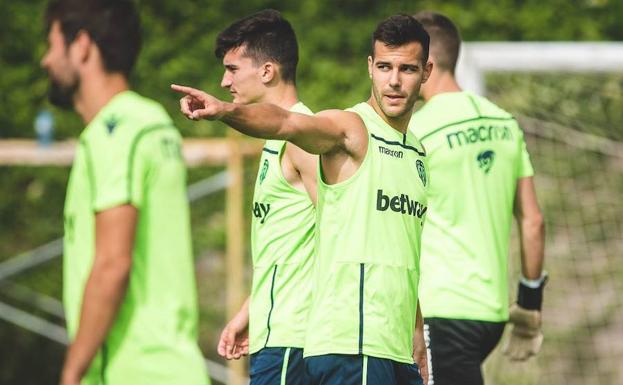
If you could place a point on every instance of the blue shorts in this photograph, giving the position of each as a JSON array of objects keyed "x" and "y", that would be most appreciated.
[
  {"x": 278, "y": 366},
  {"x": 341, "y": 369}
]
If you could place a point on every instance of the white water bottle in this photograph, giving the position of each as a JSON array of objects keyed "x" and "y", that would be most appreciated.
[{"x": 44, "y": 127}]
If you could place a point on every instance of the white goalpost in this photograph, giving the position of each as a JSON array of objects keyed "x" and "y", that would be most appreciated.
[{"x": 477, "y": 58}]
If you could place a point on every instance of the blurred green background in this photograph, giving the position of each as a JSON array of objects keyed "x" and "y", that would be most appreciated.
[{"x": 579, "y": 188}]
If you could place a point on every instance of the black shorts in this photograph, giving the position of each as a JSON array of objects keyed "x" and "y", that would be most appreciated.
[
  {"x": 276, "y": 366},
  {"x": 343, "y": 369},
  {"x": 457, "y": 348}
]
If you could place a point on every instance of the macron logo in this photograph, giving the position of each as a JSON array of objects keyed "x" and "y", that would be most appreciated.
[
  {"x": 387, "y": 151},
  {"x": 399, "y": 204}
]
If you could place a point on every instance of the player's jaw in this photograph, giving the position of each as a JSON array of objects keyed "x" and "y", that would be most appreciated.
[
  {"x": 395, "y": 102},
  {"x": 64, "y": 79},
  {"x": 235, "y": 96},
  {"x": 245, "y": 91},
  {"x": 62, "y": 95},
  {"x": 241, "y": 95}
]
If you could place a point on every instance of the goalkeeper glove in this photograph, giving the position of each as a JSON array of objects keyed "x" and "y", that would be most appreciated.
[{"x": 525, "y": 316}]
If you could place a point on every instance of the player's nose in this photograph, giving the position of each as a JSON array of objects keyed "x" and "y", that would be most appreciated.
[
  {"x": 394, "y": 80},
  {"x": 44, "y": 62},
  {"x": 226, "y": 81}
]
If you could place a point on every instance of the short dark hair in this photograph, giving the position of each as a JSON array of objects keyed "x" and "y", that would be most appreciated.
[
  {"x": 445, "y": 38},
  {"x": 398, "y": 30},
  {"x": 113, "y": 25},
  {"x": 265, "y": 35}
]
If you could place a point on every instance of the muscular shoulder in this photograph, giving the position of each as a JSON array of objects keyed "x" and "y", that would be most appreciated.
[
  {"x": 352, "y": 128},
  {"x": 342, "y": 119}
]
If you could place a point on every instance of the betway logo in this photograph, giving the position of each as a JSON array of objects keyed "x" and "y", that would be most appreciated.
[
  {"x": 400, "y": 204},
  {"x": 260, "y": 211}
]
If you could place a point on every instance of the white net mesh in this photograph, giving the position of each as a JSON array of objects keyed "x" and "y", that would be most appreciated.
[{"x": 579, "y": 179}]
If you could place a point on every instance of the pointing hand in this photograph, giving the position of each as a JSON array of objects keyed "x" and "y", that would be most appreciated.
[{"x": 197, "y": 104}]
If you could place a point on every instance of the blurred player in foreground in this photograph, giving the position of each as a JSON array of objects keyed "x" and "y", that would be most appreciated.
[
  {"x": 128, "y": 277},
  {"x": 481, "y": 175}
]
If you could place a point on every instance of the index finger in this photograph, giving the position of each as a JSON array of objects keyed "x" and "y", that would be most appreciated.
[
  {"x": 186, "y": 90},
  {"x": 220, "y": 348}
]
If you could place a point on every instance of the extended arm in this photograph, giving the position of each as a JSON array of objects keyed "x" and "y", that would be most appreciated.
[
  {"x": 105, "y": 288},
  {"x": 317, "y": 134}
]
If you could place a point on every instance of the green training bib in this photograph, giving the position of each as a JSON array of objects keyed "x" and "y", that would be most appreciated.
[
  {"x": 282, "y": 243},
  {"x": 368, "y": 247}
]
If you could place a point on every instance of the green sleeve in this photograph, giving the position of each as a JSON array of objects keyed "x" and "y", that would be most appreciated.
[
  {"x": 119, "y": 169},
  {"x": 524, "y": 167}
]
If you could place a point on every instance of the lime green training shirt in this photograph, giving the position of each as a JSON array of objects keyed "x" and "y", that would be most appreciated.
[
  {"x": 476, "y": 153},
  {"x": 282, "y": 242},
  {"x": 365, "y": 287},
  {"x": 130, "y": 153}
]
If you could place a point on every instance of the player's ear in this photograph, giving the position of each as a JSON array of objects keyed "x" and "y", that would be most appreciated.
[
  {"x": 80, "y": 47},
  {"x": 428, "y": 69},
  {"x": 370, "y": 63},
  {"x": 268, "y": 72}
]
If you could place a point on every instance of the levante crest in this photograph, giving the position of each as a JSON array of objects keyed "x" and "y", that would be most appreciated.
[
  {"x": 264, "y": 171},
  {"x": 485, "y": 160},
  {"x": 421, "y": 171}
]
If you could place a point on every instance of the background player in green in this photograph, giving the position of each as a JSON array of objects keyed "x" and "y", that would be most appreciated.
[
  {"x": 364, "y": 323},
  {"x": 260, "y": 55},
  {"x": 128, "y": 277},
  {"x": 481, "y": 175}
]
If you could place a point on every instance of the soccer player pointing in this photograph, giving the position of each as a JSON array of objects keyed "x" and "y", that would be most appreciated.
[{"x": 364, "y": 323}]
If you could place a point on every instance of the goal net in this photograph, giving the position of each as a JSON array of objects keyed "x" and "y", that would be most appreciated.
[{"x": 573, "y": 126}]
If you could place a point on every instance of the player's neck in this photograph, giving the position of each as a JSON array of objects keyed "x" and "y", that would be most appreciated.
[
  {"x": 282, "y": 95},
  {"x": 440, "y": 83},
  {"x": 96, "y": 91}
]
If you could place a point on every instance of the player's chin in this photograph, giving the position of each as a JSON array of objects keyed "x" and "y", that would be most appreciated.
[
  {"x": 394, "y": 110},
  {"x": 239, "y": 99}
]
